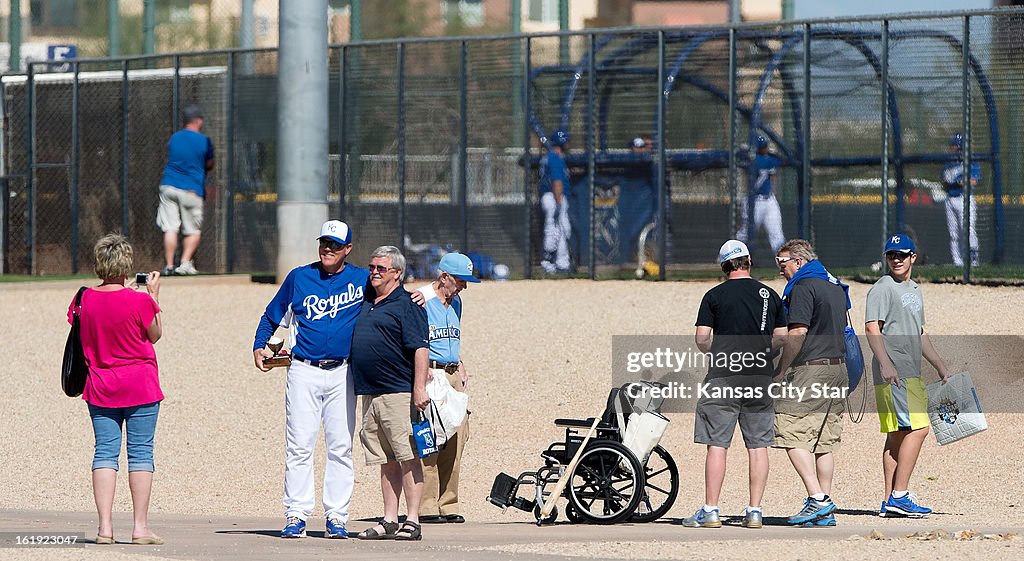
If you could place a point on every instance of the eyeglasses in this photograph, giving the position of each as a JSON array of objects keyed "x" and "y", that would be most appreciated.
[
  {"x": 379, "y": 268},
  {"x": 781, "y": 261},
  {"x": 897, "y": 256},
  {"x": 331, "y": 245}
]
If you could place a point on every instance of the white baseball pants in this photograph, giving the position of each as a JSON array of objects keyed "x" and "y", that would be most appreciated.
[
  {"x": 955, "y": 223},
  {"x": 767, "y": 214},
  {"x": 314, "y": 396},
  {"x": 557, "y": 232}
]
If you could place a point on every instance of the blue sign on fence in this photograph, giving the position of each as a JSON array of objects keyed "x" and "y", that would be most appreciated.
[{"x": 61, "y": 52}]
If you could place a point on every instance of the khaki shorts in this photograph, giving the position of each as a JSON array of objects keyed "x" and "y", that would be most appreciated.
[
  {"x": 814, "y": 424},
  {"x": 387, "y": 428},
  {"x": 179, "y": 210}
]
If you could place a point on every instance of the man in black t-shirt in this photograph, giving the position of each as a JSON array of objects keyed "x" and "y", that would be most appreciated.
[
  {"x": 748, "y": 323},
  {"x": 809, "y": 420}
]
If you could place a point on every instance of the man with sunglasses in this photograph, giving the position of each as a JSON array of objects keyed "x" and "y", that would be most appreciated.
[
  {"x": 808, "y": 421},
  {"x": 894, "y": 323},
  {"x": 319, "y": 304}
]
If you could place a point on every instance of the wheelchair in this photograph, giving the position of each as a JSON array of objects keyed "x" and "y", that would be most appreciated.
[{"x": 623, "y": 474}]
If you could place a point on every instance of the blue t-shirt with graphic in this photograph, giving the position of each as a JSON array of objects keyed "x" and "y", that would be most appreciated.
[
  {"x": 443, "y": 329},
  {"x": 320, "y": 310},
  {"x": 554, "y": 168},
  {"x": 953, "y": 177},
  {"x": 766, "y": 166},
  {"x": 187, "y": 154}
]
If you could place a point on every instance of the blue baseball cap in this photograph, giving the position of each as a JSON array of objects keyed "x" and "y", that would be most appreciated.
[
  {"x": 901, "y": 243},
  {"x": 957, "y": 140},
  {"x": 559, "y": 138},
  {"x": 761, "y": 142},
  {"x": 336, "y": 230},
  {"x": 458, "y": 266}
]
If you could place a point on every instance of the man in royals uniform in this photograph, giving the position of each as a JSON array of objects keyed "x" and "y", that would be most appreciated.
[
  {"x": 319, "y": 304},
  {"x": 766, "y": 207},
  {"x": 444, "y": 315},
  {"x": 953, "y": 183}
]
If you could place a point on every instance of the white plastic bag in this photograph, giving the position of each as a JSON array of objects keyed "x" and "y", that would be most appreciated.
[
  {"x": 447, "y": 408},
  {"x": 954, "y": 410},
  {"x": 643, "y": 433}
]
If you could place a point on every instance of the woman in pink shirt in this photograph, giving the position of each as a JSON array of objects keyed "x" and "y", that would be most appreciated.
[{"x": 118, "y": 328}]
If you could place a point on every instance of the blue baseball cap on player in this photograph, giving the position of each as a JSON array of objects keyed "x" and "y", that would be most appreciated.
[
  {"x": 957, "y": 140},
  {"x": 731, "y": 250},
  {"x": 336, "y": 230},
  {"x": 901, "y": 243},
  {"x": 761, "y": 142},
  {"x": 559, "y": 138},
  {"x": 457, "y": 265}
]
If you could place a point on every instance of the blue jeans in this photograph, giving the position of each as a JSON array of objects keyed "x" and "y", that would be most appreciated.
[{"x": 140, "y": 424}]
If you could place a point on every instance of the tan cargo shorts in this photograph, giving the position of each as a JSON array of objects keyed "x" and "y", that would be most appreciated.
[
  {"x": 387, "y": 428},
  {"x": 179, "y": 210}
]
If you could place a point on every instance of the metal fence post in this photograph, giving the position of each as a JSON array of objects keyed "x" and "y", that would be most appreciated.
[
  {"x": 463, "y": 142},
  {"x": 885, "y": 131},
  {"x": 733, "y": 200},
  {"x": 805, "y": 153},
  {"x": 30, "y": 180},
  {"x": 229, "y": 191},
  {"x": 591, "y": 155},
  {"x": 124, "y": 147},
  {"x": 527, "y": 158},
  {"x": 662, "y": 211},
  {"x": 965, "y": 223},
  {"x": 176, "y": 95},
  {"x": 74, "y": 171},
  {"x": 400, "y": 69},
  {"x": 342, "y": 140}
]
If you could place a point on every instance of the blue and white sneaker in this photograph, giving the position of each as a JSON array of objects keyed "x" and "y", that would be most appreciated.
[
  {"x": 827, "y": 520},
  {"x": 294, "y": 527},
  {"x": 813, "y": 510},
  {"x": 703, "y": 519},
  {"x": 336, "y": 529},
  {"x": 905, "y": 506},
  {"x": 882, "y": 512}
]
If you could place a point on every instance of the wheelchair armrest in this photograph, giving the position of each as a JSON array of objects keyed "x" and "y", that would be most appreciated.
[{"x": 577, "y": 423}]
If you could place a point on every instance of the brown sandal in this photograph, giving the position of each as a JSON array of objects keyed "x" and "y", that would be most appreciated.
[
  {"x": 390, "y": 530},
  {"x": 410, "y": 531}
]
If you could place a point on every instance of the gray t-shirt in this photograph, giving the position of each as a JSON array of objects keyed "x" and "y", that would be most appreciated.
[
  {"x": 821, "y": 306},
  {"x": 900, "y": 306}
]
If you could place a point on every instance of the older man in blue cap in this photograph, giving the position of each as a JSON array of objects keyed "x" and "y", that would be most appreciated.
[{"x": 444, "y": 316}]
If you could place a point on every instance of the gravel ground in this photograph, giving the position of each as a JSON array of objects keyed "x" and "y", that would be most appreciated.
[{"x": 536, "y": 350}]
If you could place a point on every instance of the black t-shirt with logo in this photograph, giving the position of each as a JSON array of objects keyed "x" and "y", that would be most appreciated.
[{"x": 742, "y": 314}]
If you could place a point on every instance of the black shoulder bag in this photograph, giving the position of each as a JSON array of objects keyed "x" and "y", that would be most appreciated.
[{"x": 74, "y": 370}]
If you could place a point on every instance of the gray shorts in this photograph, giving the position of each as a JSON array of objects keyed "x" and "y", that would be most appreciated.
[
  {"x": 715, "y": 418},
  {"x": 179, "y": 210}
]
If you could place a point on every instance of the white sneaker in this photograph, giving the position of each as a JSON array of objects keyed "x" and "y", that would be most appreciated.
[{"x": 186, "y": 268}]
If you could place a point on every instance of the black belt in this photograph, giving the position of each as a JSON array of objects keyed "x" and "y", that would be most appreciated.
[
  {"x": 325, "y": 364},
  {"x": 449, "y": 367},
  {"x": 821, "y": 362}
]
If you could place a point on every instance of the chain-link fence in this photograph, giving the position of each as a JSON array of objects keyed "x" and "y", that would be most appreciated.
[{"x": 436, "y": 144}]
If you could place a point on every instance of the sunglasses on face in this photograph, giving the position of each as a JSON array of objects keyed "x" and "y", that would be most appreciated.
[
  {"x": 331, "y": 245},
  {"x": 897, "y": 256},
  {"x": 379, "y": 269},
  {"x": 781, "y": 261}
]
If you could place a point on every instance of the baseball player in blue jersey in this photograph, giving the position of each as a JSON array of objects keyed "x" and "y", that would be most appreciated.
[
  {"x": 953, "y": 183},
  {"x": 319, "y": 304},
  {"x": 554, "y": 202},
  {"x": 766, "y": 207},
  {"x": 444, "y": 317}
]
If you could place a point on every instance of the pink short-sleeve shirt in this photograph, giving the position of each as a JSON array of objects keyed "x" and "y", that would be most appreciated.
[{"x": 122, "y": 360}]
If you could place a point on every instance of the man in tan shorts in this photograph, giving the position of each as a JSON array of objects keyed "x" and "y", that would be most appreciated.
[
  {"x": 811, "y": 376},
  {"x": 389, "y": 366}
]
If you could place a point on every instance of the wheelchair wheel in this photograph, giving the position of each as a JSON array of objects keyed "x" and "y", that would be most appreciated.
[
  {"x": 607, "y": 484},
  {"x": 661, "y": 485},
  {"x": 550, "y": 518}
]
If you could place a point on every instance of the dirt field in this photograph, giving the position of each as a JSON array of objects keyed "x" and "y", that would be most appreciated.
[{"x": 536, "y": 350}]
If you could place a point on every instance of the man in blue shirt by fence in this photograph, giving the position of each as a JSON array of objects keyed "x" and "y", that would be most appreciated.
[{"x": 182, "y": 191}]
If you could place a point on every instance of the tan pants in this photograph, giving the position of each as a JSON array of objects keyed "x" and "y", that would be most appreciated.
[{"x": 441, "y": 470}]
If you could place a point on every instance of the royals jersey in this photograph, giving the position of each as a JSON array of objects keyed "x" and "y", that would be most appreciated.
[
  {"x": 443, "y": 326},
  {"x": 766, "y": 166},
  {"x": 953, "y": 177},
  {"x": 319, "y": 309},
  {"x": 552, "y": 168}
]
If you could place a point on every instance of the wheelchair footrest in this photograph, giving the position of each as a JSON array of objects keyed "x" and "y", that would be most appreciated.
[{"x": 503, "y": 494}]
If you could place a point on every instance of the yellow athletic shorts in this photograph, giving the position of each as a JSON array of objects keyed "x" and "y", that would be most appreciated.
[{"x": 902, "y": 408}]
